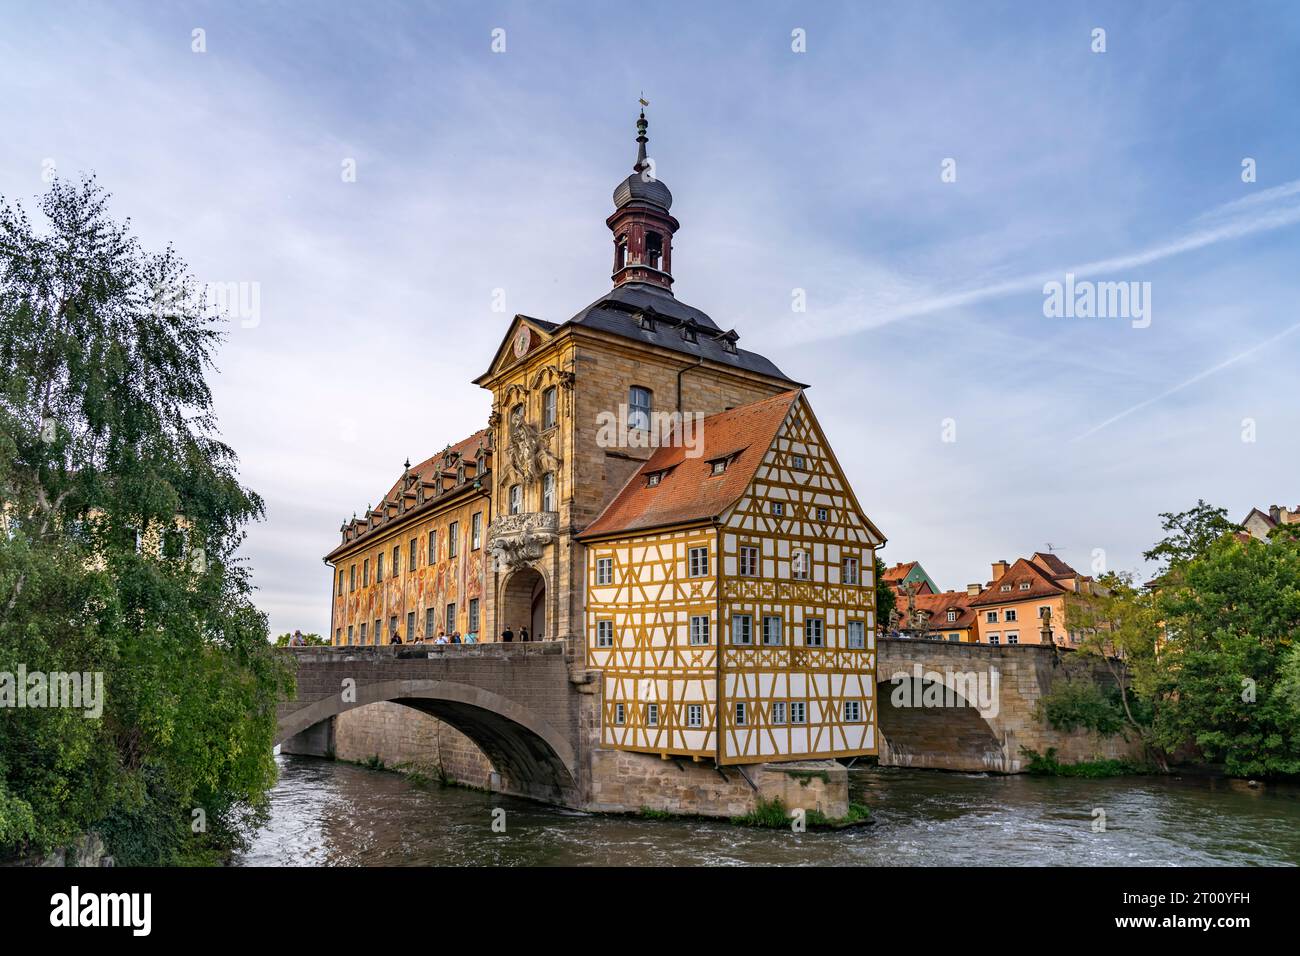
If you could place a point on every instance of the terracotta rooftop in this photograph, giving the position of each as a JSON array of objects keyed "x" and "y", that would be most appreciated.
[
  {"x": 937, "y": 606},
  {"x": 897, "y": 572},
  {"x": 1041, "y": 584},
  {"x": 1054, "y": 565},
  {"x": 688, "y": 490}
]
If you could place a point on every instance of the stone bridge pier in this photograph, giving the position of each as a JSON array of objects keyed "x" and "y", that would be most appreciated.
[{"x": 973, "y": 707}]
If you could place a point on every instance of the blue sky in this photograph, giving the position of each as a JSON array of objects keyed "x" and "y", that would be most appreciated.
[{"x": 818, "y": 171}]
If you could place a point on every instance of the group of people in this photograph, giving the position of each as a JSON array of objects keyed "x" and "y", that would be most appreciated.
[
  {"x": 442, "y": 638},
  {"x": 508, "y": 635}
]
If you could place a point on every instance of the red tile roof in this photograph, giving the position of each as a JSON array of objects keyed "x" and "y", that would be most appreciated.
[
  {"x": 1040, "y": 581},
  {"x": 687, "y": 490},
  {"x": 1054, "y": 565},
  {"x": 937, "y": 605},
  {"x": 897, "y": 572},
  {"x": 429, "y": 469}
]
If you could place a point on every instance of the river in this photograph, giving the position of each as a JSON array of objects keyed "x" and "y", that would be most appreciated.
[{"x": 337, "y": 814}]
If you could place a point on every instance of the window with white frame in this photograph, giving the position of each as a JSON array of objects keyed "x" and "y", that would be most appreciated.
[
  {"x": 814, "y": 632},
  {"x": 778, "y": 508},
  {"x": 698, "y": 562},
  {"x": 773, "y": 630},
  {"x": 798, "y": 712},
  {"x": 1024, "y": 585},
  {"x": 604, "y": 570},
  {"x": 799, "y": 564},
  {"x": 796, "y": 461},
  {"x": 700, "y": 630},
  {"x": 778, "y": 712},
  {"x": 740, "y": 713},
  {"x": 619, "y": 714},
  {"x": 516, "y": 499},
  {"x": 952, "y": 615},
  {"x": 695, "y": 715},
  {"x": 991, "y": 617},
  {"x": 433, "y": 547},
  {"x": 604, "y": 633},
  {"x": 548, "y": 491},
  {"x": 748, "y": 560},
  {"x": 852, "y": 711},
  {"x": 742, "y": 629},
  {"x": 1013, "y": 637},
  {"x": 995, "y": 639},
  {"x": 476, "y": 531},
  {"x": 639, "y": 407},
  {"x": 1010, "y": 615},
  {"x": 822, "y": 514},
  {"x": 850, "y": 570},
  {"x": 548, "y": 408},
  {"x": 652, "y": 715},
  {"x": 857, "y": 634}
]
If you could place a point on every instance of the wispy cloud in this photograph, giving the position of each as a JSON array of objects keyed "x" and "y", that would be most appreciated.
[
  {"x": 1199, "y": 376},
  {"x": 1267, "y": 210}
]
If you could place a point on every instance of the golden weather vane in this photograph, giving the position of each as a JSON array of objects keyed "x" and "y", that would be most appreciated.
[{"x": 643, "y": 100}]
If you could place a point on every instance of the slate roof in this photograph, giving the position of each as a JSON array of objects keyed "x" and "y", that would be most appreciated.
[
  {"x": 687, "y": 489},
  {"x": 618, "y": 312}
]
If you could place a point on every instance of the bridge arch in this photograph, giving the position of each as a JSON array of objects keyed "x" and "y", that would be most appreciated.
[
  {"x": 941, "y": 720},
  {"x": 537, "y": 759}
]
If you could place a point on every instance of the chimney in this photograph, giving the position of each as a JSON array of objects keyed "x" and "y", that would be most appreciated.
[
  {"x": 999, "y": 569},
  {"x": 1275, "y": 512},
  {"x": 973, "y": 590}
]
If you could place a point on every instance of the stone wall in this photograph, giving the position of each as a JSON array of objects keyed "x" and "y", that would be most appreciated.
[
  {"x": 625, "y": 781},
  {"x": 404, "y": 738}
]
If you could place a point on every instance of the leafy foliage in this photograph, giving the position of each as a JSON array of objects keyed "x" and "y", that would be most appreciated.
[
  {"x": 122, "y": 513},
  {"x": 1083, "y": 704},
  {"x": 886, "y": 600}
]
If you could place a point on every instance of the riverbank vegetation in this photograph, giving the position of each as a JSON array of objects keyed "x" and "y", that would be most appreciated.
[
  {"x": 1209, "y": 651},
  {"x": 122, "y": 515},
  {"x": 1046, "y": 765}
]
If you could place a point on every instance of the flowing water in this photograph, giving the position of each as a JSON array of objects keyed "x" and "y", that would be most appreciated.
[{"x": 326, "y": 813}]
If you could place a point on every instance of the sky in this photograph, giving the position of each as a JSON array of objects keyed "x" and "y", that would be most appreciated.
[{"x": 915, "y": 174}]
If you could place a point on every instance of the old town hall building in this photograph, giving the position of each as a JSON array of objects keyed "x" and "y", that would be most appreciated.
[{"x": 660, "y": 499}]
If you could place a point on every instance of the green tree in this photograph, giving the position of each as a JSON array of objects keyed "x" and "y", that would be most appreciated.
[
  {"x": 886, "y": 600},
  {"x": 312, "y": 640},
  {"x": 1119, "y": 626},
  {"x": 1232, "y": 616},
  {"x": 123, "y": 516}
]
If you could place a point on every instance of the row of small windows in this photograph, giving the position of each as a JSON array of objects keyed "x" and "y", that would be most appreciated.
[
  {"x": 697, "y": 562},
  {"x": 430, "y": 621},
  {"x": 1008, "y": 615},
  {"x": 782, "y": 712},
  {"x": 413, "y": 552},
  {"x": 742, "y": 631},
  {"x": 777, "y": 510}
]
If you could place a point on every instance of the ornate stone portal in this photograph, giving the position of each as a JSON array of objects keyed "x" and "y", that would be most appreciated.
[{"x": 515, "y": 541}]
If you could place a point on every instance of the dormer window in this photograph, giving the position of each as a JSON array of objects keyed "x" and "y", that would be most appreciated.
[
  {"x": 653, "y": 479},
  {"x": 1005, "y": 587},
  {"x": 728, "y": 342},
  {"x": 718, "y": 467},
  {"x": 952, "y": 616},
  {"x": 688, "y": 332},
  {"x": 1024, "y": 585},
  {"x": 647, "y": 322}
]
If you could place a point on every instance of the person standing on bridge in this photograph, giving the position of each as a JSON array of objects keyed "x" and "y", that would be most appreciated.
[
  {"x": 397, "y": 638},
  {"x": 507, "y": 635},
  {"x": 455, "y": 637},
  {"x": 523, "y": 634}
]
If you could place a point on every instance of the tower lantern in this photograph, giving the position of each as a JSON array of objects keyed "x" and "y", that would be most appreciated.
[{"x": 642, "y": 226}]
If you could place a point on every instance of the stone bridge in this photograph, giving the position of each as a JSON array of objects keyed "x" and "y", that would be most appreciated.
[
  {"x": 940, "y": 705},
  {"x": 952, "y": 706},
  {"x": 514, "y": 701}
]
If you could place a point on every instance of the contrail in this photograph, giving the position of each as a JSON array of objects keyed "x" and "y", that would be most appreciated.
[{"x": 1206, "y": 373}]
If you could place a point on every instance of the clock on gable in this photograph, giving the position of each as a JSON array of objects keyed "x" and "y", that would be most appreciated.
[{"x": 522, "y": 341}]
